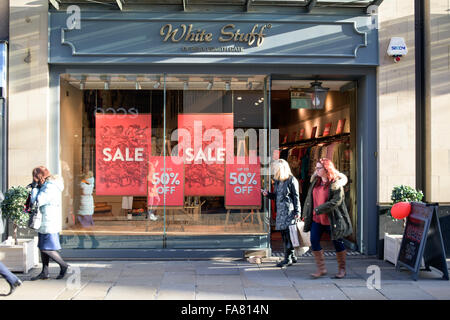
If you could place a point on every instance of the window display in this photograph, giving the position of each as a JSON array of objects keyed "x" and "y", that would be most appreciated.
[{"x": 180, "y": 156}]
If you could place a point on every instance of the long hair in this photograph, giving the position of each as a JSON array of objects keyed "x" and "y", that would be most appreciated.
[
  {"x": 330, "y": 170},
  {"x": 281, "y": 170},
  {"x": 40, "y": 174}
]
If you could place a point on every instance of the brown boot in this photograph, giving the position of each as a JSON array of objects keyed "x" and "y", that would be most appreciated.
[
  {"x": 340, "y": 257},
  {"x": 320, "y": 262}
]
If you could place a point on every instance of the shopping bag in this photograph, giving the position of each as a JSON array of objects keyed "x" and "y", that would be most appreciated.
[
  {"x": 303, "y": 237},
  {"x": 299, "y": 251},
  {"x": 35, "y": 219},
  {"x": 293, "y": 233}
]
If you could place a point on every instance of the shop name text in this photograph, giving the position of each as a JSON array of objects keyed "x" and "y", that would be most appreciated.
[{"x": 228, "y": 33}]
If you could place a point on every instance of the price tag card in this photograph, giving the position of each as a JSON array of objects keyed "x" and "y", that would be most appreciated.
[
  {"x": 168, "y": 180},
  {"x": 243, "y": 183}
]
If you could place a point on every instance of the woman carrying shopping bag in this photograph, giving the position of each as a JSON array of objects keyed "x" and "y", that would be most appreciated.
[
  {"x": 325, "y": 211},
  {"x": 287, "y": 201},
  {"x": 47, "y": 191}
]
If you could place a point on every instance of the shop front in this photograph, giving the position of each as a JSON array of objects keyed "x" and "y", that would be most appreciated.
[{"x": 165, "y": 124}]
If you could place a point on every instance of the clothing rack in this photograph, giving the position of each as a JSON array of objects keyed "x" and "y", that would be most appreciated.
[{"x": 314, "y": 140}]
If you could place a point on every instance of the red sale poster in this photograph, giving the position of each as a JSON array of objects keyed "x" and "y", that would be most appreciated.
[
  {"x": 123, "y": 143},
  {"x": 203, "y": 147},
  {"x": 165, "y": 179},
  {"x": 243, "y": 184}
]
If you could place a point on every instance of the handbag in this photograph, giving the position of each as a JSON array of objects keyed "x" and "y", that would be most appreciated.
[{"x": 35, "y": 219}]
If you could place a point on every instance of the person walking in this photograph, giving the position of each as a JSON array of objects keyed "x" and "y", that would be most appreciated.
[
  {"x": 324, "y": 210},
  {"x": 47, "y": 190},
  {"x": 13, "y": 281},
  {"x": 288, "y": 207},
  {"x": 10, "y": 277}
]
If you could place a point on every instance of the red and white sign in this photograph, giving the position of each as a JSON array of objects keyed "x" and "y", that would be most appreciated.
[
  {"x": 203, "y": 147},
  {"x": 165, "y": 179},
  {"x": 243, "y": 183},
  {"x": 123, "y": 143}
]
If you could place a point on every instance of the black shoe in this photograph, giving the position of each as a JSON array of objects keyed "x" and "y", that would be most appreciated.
[
  {"x": 294, "y": 259},
  {"x": 40, "y": 276},
  {"x": 14, "y": 286},
  {"x": 63, "y": 272},
  {"x": 284, "y": 263}
]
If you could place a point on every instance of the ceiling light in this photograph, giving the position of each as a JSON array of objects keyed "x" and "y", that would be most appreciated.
[
  {"x": 239, "y": 98},
  {"x": 210, "y": 85},
  {"x": 256, "y": 104},
  {"x": 157, "y": 84},
  {"x": 318, "y": 94}
]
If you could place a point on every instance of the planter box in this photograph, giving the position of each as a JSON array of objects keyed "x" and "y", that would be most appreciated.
[
  {"x": 19, "y": 258},
  {"x": 392, "y": 243}
]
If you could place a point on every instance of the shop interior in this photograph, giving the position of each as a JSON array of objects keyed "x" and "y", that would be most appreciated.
[{"x": 306, "y": 133}]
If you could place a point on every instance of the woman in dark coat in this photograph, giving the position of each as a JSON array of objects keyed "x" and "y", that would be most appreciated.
[
  {"x": 287, "y": 201},
  {"x": 325, "y": 211}
]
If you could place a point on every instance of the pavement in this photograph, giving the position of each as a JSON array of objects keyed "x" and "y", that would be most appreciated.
[{"x": 230, "y": 279}]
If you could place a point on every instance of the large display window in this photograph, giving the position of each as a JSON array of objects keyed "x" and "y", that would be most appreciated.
[
  {"x": 187, "y": 155},
  {"x": 164, "y": 154}
]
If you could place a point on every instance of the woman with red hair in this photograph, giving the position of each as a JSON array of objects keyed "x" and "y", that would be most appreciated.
[
  {"x": 325, "y": 211},
  {"x": 46, "y": 190}
]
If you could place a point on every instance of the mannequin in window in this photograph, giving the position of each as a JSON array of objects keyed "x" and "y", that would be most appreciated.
[
  {"x": 152, "y": 194},
  {"x": 86, "y": 209}
]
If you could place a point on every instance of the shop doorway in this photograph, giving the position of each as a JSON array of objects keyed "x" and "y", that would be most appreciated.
[{"x": 312, "y": 129}]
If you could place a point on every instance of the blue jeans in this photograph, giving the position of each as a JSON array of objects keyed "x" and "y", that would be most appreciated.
[
  {"x": 317, "y": 230},
  {"x": 8, "y": 275}
]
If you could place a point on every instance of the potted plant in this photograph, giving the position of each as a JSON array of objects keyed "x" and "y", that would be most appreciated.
[
  {"x": 392, "y": 242},
  {"x": 18, "y": 255}
]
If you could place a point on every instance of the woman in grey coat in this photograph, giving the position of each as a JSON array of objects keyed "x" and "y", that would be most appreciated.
[{"x": 287, "y": 201}]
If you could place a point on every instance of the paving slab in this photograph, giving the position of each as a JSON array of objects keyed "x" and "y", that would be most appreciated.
[
  {"x": 131, "y": 292},
  {"x": 361, "y": 293},
  {"x": 94, "y": 291},
  {"x": 272, "y": 293},
  {"x": 404, "y": 292},
  {"x": 219, "y": 292},
  {"x": 176, "y": 292},
  {"x": 227, "y": 279},
  {"x": 320, "y": 291}
]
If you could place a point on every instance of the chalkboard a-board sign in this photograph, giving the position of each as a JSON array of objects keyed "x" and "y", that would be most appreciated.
[{"x": 422, "y": 238}]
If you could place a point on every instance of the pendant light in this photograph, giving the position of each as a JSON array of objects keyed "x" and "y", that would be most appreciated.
[{"x": 318, "y": 94}]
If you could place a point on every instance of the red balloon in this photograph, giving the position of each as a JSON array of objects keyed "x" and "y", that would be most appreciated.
[{"x": 401, "y": 210}]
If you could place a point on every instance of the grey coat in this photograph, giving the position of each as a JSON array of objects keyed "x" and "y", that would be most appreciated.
[
  {"x": 335, "y": 207},
  {"x": 287, "y": 203}
]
